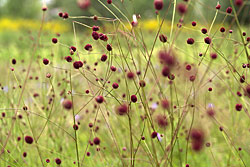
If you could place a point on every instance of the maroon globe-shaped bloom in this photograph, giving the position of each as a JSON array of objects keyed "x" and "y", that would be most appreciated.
[
  {"x": 158, "y": 4},
  {"x": 28, "y": 139},
  {"x": 99, "y": 99}
]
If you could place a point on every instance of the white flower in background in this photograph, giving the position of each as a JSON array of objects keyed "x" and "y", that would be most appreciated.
[
  {"x": 62, "y": 99},
  {"x": 77, "y": 117},
  {"x": 159, "y": 137},
  {"x": 6, "y": 89},
  {"x": 134, "y": 22},
  {"x": 154, "y": 106}
]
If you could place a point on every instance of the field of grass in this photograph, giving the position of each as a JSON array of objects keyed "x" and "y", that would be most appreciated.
[{"x": 145, "y": 102}]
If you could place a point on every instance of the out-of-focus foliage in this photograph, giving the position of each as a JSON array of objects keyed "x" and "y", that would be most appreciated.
[{"x": 196, "y": 11}]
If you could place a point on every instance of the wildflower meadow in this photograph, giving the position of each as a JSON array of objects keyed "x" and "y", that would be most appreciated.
[{"x": 125, "y": 83}]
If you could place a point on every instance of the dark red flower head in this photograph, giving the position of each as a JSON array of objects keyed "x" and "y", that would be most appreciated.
[
  {"x": 182, "y": 8},
  {"x": 99, "y": 99},
  {"x": 28, "y": 139},
  {"x": 229, "y": 10},
  {"x": 238, "y": 107},
  {"x": 238, "y": 2},
  {"x": 95, "y": 35},
  {"x": 109, "y": 1},
  {"x": 45, "y": 61},
  {"x": 67, "y": 104},
  {"x": 207, "y": 40},
  {"x": 122, "y": 109},
  {"x": 158, "y": 4},
  {"x": 104, "y": 57},
  {"x": 65, "y": 15},
  {"x": 96, "y": 141},
  {"x": 54, "y": 40},
  {"x": 163, "y": 38},
  {"x": 190, "y": 41},
  {"x": 109, "y": 47}
]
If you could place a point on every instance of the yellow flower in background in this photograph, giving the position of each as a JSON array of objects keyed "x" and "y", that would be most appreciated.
[{"x": 27, "y": 24}]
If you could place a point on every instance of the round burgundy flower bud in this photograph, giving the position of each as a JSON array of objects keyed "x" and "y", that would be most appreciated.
[
  {"x": 65, "y": 15},
  {"x": 238, "y": 2},
  {"x": 213, "y": 55},
  {"x": 222, "y": 29},
  {"x": 99, "y": 99},
  {"x": 45, "y": 61},
  {"x": 192, "y": 78},
  {"x": 154, "y": 134},
  {"x": 60, "y": 14},
  {"x": 204, "y": 30},
  {"x": 207, "y": 40},
  {"x": 58, "y": 161},
  {"x": 122, "y": 109},
  {"x": 190, "y": 41},
  {"x": 75, "y": 127},
  {"x": 238, "y": 107},
  {"x": 88, "y": 47},
  {"x": 182, "y": 8},
  {"x": 96, "y": 141},
  {"x": 77, "y": 64},
  {"x": 229, "y": 10},
  {"x": 95, "y": 35},
  {"x": 218, "y": 6},
  {"x": 67, "y": 104},
  {"x": 103, "y": 37},
  {"x": 109, "y": 1},
  {"x": 115, "y": 85},
  {"x": 84, "y": 4},
  {"x": 113, "y": 68},
  {"x": 68, "y": 58},
  {"x": 142, "y": 83},
  {"x": 163, "y": 38},
  {"x": 193, "y": 23},
  {"x": 54, "y": 40},
  {"x": 95, "y": 28},
  {"x": 133, "y": 98},
  {"x": 104, "y": 57},
  {"x": 28, "y": 139},
  {"x": 130, "y": 75},
  {"x": 73, "y": 48},
  {"x": 165, "y": 71},
  {"x": 109, "y": 47},
  {"x": 158, "y": 4}
]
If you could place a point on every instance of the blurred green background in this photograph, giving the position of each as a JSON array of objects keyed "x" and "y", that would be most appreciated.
[{"x": 30, "y": 9}]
